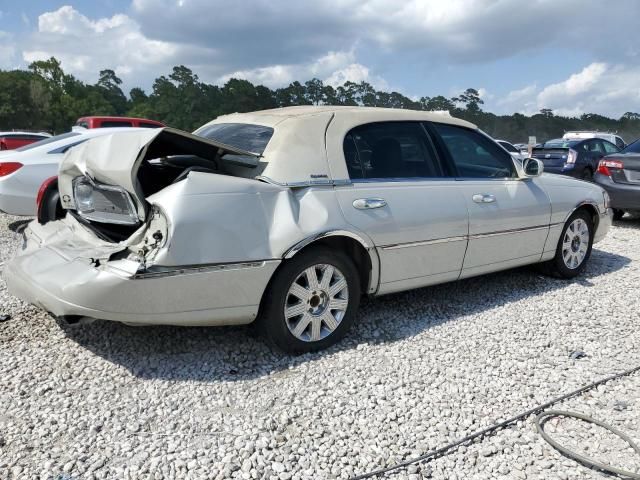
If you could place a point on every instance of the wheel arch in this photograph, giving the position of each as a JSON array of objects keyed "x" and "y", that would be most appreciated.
[
  {"x": 591, "y": 208},
  {"x": 359, "y": 249}
]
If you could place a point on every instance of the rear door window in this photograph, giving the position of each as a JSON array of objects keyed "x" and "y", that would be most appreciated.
[
  {"x": 390, "y": 150},
  {"x": 474, "y": 155}
]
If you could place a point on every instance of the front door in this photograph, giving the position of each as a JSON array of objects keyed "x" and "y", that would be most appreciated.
[
  {"x": 508, "y": 216},
  {"x": 399, "y": 195}
]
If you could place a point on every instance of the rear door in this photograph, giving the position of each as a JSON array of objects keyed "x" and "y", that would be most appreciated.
[
  {"x": 508, "y": 216},
  {"x": 401, "y": 196}
]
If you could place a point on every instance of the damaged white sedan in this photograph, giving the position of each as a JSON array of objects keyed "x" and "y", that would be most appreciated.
[{"x": 289, "y": 216}]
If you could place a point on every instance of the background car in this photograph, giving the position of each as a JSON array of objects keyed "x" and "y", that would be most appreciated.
[
  {"x": 515, "y": 153},
  {"x": 576, "y": 158},
  {"x": 22, "y": 171},
  {"x": 110, "y": 122},
  {"x": 619, "y": 175},
  {"x": 289, "y": 216},
  {"x": 617, "y": 140},
  {"x": 13, "y": 140}
]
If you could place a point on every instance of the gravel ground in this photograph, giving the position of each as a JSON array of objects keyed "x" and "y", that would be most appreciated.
[{"x": 423, "y": 368}]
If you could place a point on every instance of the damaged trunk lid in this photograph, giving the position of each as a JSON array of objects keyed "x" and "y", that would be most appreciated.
[{"x": 115, "y": 161}]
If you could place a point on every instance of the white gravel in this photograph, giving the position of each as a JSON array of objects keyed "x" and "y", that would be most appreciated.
[{"x": 422, "y": 368}]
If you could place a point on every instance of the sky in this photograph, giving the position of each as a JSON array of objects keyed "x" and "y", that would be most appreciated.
[{"x": 573, "y": 56}]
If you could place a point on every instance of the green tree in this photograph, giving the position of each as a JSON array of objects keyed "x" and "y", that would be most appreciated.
[
  {"x": 109, "y": 87},
  {"x": 470, "y": 99}
]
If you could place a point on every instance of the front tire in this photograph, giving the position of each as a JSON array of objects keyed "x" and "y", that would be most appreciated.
[
  {"x": 311, "y": 302},
  {"x": 574, "y": 246}
]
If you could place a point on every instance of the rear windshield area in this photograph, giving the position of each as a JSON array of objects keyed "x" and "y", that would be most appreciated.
[
  {"x": 561, "y": 143},
  {"x": 246, "y": 136}
]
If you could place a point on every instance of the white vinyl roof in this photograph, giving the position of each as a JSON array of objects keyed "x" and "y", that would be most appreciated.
[{"x": 306, "y": 147}]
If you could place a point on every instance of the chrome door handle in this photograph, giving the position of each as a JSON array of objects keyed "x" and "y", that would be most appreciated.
[
  {"x": 369, "y": 203},
  {"x": 483, "y": 198}
]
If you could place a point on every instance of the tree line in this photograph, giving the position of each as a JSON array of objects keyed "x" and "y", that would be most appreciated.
[{"x": 45, "y": 98}]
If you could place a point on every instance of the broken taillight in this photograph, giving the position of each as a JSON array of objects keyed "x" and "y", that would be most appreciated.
[
  {"x": 606, "y": 164},
  {"x": 7, "y": 168}
]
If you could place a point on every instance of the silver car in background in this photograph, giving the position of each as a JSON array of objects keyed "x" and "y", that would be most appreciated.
[{"x": 288, "y": 216}]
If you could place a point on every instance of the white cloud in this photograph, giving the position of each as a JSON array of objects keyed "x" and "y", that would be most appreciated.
[
  {"x": 597, "y": 88},
  {"x": 85, "y": 46},
  {"x": 334, "y": 68}
]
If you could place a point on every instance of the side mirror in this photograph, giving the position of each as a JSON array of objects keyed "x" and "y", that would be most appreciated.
[{"x": 532, "y": 167}]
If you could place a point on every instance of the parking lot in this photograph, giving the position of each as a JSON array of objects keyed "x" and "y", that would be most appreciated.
[{"x": 420, "y": 369}]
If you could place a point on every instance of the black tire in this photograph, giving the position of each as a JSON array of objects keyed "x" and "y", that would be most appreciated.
[
  {"x": 618, "y": 214},
  {"x": 272, "y": 321},
  {"x": 587, "y": 175},
  {"x": 557, "y": 266}
]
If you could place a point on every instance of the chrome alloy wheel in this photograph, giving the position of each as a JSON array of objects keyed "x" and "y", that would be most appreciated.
[
  {"x": 316, "y": 302},
  {"x": 575, "y": 243}
]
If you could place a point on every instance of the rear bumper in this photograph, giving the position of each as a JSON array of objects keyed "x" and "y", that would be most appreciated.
[
  {"x": 623, "y": 196},
  {"x": 203, "y": 295}
]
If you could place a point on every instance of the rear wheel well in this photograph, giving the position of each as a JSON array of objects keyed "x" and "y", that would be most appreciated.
[{"x": 354, "y": 250}]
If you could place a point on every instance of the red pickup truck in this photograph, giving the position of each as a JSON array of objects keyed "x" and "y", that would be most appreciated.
[
  {"x": 105, "y": 122},
  {"x": 13, "y": 140}
]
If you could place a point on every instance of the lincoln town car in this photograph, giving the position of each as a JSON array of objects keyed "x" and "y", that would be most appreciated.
[{"x": 287, "y": 217}]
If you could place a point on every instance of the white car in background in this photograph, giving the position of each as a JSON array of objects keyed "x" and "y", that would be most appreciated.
[
  {"x": 22, "y": 171},
  {"x": 513, "y": 151}
]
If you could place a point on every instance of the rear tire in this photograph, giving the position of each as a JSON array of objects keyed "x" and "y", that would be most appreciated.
[
  {"x": 311, "y": 302},
  {"x": 618, "y": 214},
  {"x": 574, "y": 247}
]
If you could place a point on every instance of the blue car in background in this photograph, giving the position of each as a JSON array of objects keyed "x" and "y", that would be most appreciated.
[{"x": 577, "y": 158}]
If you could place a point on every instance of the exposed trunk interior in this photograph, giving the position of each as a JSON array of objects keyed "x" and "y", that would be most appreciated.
[{"x": 170, "y": 158}]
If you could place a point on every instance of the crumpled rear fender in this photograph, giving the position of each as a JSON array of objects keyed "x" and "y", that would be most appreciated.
[{"x": 221, "y": 219}]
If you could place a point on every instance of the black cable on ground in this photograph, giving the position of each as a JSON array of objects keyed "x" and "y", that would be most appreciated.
[
  {"x": 498, "y": 426},
  {"x": 544, "y": 416}
]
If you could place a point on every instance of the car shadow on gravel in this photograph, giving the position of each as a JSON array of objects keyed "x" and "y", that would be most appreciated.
[{"x": 237, "y": 353}]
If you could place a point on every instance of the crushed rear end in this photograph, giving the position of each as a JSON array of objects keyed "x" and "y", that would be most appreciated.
[{"x": 142, "y": 211}]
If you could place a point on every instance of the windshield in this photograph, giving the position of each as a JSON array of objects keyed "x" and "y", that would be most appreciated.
[
  {"x": 632, "y": 147},
  {"x": 47, "y": 141},
  {"x": 560, "y": 143}
]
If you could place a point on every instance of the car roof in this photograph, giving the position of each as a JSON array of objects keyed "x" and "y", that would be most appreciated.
[
  {"x": 274, "y": 116},
  {"x": 52, "y": 145},
  {"x": 41, "y": 134}
]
